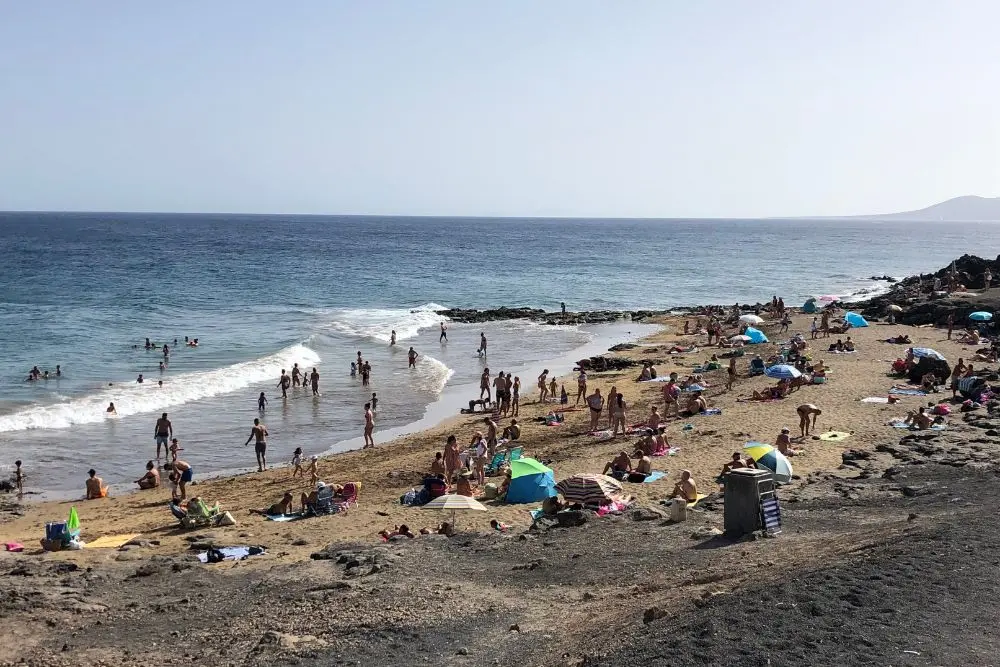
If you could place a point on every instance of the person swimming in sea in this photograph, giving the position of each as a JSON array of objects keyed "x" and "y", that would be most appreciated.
[{"x": 111, "y": 409}]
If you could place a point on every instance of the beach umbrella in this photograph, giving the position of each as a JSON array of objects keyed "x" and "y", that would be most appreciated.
[
  {"x": 896, "y": 309},
  {"x": 755, "y": 335},
  {"x": 768, "y": 458},
  {"x": 981, "y": 316},
  {"x": 855, "y": 320},
  {"x": 751, "y": 319},
  {"x": 589, "y": 489},
  {"x": 782, "y": 372},
  {"x": 745, "y": 339},
  {"x": 455, "y": 503},
  {"x": 530, "y": 482},
  {"x": 921, "y": 352}
]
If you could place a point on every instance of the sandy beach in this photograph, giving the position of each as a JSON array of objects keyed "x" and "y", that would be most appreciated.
[{"x": 704, "y": 442}]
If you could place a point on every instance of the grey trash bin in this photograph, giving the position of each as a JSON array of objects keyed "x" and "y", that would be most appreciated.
[{"x": 744, "y": 489}]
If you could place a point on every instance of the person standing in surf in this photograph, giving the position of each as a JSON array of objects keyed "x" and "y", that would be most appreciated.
[
  {"x": 283, "y": 382},
  {"x": 296, "y": 375},
  {"x": 369, "y": 426},
  {"x": 366, "y": 373},
  {"x": 482, "y": 344},
  {"x": 412, "y": 356},
  {"x": 484, "y": 385},
  {"x": 259, "y": 433},
  {"x": 314, "y": 381},
  {"x": 392, "y": 338},
  {"x": 443, "y": 338},
  {"x": 261, "y": 402},
  {"x": 162, "y": 433}
]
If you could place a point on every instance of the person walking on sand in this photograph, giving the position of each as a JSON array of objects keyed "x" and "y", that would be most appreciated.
[
  {"x": 825, "y": 324},
  {"x": 491, "y": 436},
  {"x": 814, "y": 328},
  {"x": 581, "y": 387},
  {"x": 543, "y": 387},
  {"x": 162, "y": 433},
  {"x": 951, "y": 324},
  {"x": 259, "y": 433},
  {"x": 482, "y": 344},
  {"x": 731, "y": 374},
  {"x": 297, "y": 463},
  {"x": 283, "y": 383},
  {"x": 369, "y": 426},
  {"x": 611, "y": 405},
  {"x": 261, "y": 402},
  {"x": 443, "y": 338},
  {"x": 499, "y": 389},
  {"x": 805, "y": 411},
  {"x": 412, "y": 356},
  {"x": 596, "y": 404},
  {"x": 314, "y": 381}
]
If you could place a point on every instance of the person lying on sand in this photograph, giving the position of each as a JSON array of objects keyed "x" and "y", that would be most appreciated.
[
  {"x": 283, "y": 506},
  {"x": 970, "y": 338},
  {"x": 770, "y": 393},
  {"x": 151, "y": 479},
  {"x": 444, "y": 528},
  {"x": 402, "y": 531},
  {"x": 901, "y": 339},
  {"x": 685, "y": 488}
]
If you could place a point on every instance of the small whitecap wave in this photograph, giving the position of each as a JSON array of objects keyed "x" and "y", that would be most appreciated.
[
  {"x": 133, "y": 399},
  {"x": 433, "y": 374},
  {"x": 379, "y": 323}
]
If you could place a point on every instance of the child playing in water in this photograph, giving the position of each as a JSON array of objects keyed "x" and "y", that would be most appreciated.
[
  {"x": 354, "y": 369},
  {"x": 297, "y": 462},
  {"x": 261, "y": 402}
]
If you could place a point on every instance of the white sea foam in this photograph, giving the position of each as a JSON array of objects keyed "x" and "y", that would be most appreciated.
[
  {"x": 133, "y": 399},
  {"x": 434, "y": 374},
  {"x": 379, "y": 323}
]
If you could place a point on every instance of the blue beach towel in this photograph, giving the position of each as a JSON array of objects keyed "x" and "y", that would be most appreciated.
[
  {"x": 655, "y": 475},
  {"x": 907, "y": 392},
  {"x": 284, "y": 517}
]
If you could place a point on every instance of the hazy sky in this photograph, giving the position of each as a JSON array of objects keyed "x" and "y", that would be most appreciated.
[{"x": 666, "y": 108}]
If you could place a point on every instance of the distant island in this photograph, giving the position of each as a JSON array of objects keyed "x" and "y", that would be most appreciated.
[{"x": 960, "y": 209}]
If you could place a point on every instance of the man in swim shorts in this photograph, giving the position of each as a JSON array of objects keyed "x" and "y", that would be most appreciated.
[
  {"x": 805, "y": 411},
  {"x": 314, "y": 381},
  {"x": 444, "y": 333},
  {"x": 162, "y": 433},
  {"x": 259, "y": 432}
]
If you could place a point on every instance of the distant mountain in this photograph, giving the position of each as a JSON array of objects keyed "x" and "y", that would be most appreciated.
[{"x": 960, "y": 209}]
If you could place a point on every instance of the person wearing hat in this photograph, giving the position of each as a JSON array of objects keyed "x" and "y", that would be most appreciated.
[
  {"x": 784, "y": 443},
  {"x": 314, "y": 470}
]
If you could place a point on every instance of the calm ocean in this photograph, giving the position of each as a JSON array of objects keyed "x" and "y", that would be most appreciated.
[{"x": 264, "y": 292}]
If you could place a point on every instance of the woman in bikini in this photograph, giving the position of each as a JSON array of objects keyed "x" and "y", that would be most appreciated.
[{"x": 596, "y": 404}]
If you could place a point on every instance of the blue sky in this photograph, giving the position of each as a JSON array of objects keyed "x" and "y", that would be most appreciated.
[{"x": 665, "y": 108}]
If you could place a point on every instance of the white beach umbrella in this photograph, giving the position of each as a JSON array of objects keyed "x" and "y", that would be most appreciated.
[
  {"x": 455, "y": 503},
  {"x": 751, "y": 319},
  {"x": 745, "y": 339}
]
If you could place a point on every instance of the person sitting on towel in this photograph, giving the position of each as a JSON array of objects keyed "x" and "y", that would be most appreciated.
[
  {"x": 151, "y": 479},
  {"x": 512, "y": 432},
  {"x": 685, "y": 488},
  {"x": 283, "y": 506},
  {"x": 784, "y": 443},
  {"x": 848, "y": 345},
  {"x": 919, "y": 419},
  {"x": 696, "y": 405},
  {"x": 619, "y": 466},
  {"x": 643, "y": 468}
]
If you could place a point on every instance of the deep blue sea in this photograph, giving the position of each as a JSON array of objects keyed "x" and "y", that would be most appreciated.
[{"x": 264, "y": 292}]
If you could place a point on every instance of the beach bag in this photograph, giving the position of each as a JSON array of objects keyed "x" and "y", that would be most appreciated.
[
  {"x": 490, "y": 491},
  {"x": 941, "y": 409}
]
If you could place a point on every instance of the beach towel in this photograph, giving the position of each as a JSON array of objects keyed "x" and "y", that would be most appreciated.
[
  {"x": 655, "y": 475},
  {"x": 602, "y": 435},
  {"x": 658, "y": 379},
  {"x": 111, "y": 541},
  {"x": 285, "y": 517},
  {"x": 690, "y": 504},
  {"x": 900, "y": 391},
  {"x": 834, "y": 436},
  {"x": 15, "y": 547},
  {"x": 875, "y": 399},
  {"x": 900, "y": 423},
  {"x": 536, "y": 514},
  {"x": 232, "y": 553},
  {"x": 712, "y": 411}
]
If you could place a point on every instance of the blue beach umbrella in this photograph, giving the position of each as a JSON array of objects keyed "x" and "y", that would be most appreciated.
[
  {"x": 756, "y": 335},
  {"x": 981, "y": 316},
  {"x": 855, "y": 320},
  {"x": 782, "y": 372}
]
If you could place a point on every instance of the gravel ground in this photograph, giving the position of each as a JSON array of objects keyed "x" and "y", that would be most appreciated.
[{"x": 888, "y": 561}]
